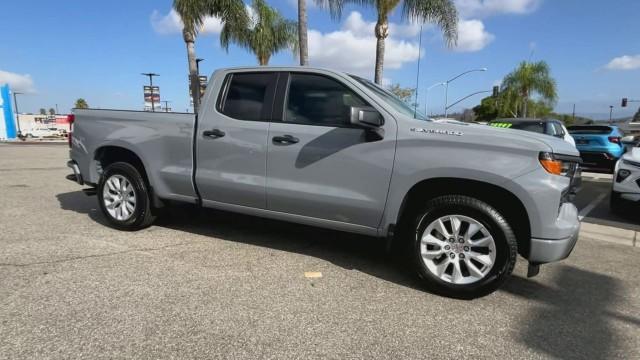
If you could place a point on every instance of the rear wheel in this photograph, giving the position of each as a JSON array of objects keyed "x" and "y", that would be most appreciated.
[
  {"x": 463, "y": 247},
  {"x": 124, "y": 197}
]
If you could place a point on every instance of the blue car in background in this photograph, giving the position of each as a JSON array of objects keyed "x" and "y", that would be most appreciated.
[{"x": 600, "y": 146}]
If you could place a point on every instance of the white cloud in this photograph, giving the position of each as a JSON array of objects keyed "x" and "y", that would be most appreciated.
[
  {"x": 172, "y": 24},
  {"x": 17, "y": 82},
  {"x": 353, "y": 48},
  {"x": 626, "y": 62},
  {"x": 483, "y": 8},
  {"x": 472, "y": 36}
]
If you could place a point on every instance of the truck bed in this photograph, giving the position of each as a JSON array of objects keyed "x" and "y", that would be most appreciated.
[{"x": 163, "y": 142}]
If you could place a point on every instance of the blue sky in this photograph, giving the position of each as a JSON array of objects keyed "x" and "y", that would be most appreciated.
[{"x": 58, "y": 51}]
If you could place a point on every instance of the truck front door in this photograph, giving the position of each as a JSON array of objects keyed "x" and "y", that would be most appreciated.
[{"x": 320, "y": 166}]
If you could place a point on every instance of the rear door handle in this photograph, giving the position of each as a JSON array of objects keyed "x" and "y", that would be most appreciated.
[
  {"x": 213, "y": 134},
  {"x": 285, "y": 140}
]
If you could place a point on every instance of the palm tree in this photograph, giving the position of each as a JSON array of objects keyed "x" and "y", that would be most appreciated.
[
  {"x": 81, "y": 104},
  {"x": 442, "y": 12},
  {"x": 530, "y": 79},
  {"x": 266, "y": 34},
  {"x": 193, "y": 13},
  {"x": 302, "y": 32}
]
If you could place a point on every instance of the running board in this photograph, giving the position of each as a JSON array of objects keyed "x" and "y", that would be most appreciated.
[{"x": 89, "y": 191}]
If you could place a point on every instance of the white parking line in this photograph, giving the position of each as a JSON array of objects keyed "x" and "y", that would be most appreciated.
[{"x": 587, "y": 209}]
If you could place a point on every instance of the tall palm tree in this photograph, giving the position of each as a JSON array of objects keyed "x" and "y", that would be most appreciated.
[
  {"x": 530, "y": 79},
  {"x": 442, "y": 12},
  {"x": 302, "y": 32},
  {"x": 265, "y": 34},
  {"x": 193, "y": 13}
]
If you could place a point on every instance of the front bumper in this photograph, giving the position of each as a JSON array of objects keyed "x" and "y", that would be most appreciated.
[
  {"x": 628, "y": 187},
  {"x": 549, "y": 250}
]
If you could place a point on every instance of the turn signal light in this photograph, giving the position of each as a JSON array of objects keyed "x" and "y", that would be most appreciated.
[{"x": 550, "y": 164}]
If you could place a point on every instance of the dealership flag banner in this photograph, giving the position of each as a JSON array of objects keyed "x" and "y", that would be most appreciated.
[{"x": 7, "y": 123}]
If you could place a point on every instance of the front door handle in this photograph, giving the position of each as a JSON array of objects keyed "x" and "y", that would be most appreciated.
[
  {"x": 213, "y": 134},
  {"x": 285, "y": 140}
]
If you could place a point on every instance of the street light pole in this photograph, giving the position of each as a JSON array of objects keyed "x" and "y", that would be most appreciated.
[
  {"x": 610, "y": 114},
  {"x": 15, "y": 104},
  {"x": 426, "y": 97},
  {"x": 446, "y": 87},
  {"x": 151, "y": 75},
  {"x": 166, "y": 105}
]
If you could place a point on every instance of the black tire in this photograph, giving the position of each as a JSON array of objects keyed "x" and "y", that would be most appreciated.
[
  {"x": 142, "y": 215},
  {"x": 497, "y": 226}
]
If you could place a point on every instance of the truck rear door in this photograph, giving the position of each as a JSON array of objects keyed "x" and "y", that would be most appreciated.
[{"x": 231, "y": 149}]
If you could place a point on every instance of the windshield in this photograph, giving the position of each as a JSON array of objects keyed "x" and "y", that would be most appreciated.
[
  {"x": 389, "y": 98},
  {"x": 532, "y": 126}
]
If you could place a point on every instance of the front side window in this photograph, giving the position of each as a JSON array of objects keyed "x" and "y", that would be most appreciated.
[
  {"x": 248, "y": 95},
  {"x": 319, "y": 100}
]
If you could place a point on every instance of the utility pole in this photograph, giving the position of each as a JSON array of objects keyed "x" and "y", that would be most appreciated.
[
  {"x": 198, "y": 60},
  {"x": 610, "y": 114},
  {"x": 194, "y": 87},
  {"x": 151, "y": 75},
  {"x": 166, "y": 105},
  {"x": 574, "y": 113},
  {"x": 15, "y": 104}
]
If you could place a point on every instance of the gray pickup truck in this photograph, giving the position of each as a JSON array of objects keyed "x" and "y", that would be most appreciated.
[{"x": 333, "y": 150}]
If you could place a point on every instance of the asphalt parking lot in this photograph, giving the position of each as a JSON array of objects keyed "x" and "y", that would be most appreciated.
[{"x": 219, "y": 285}]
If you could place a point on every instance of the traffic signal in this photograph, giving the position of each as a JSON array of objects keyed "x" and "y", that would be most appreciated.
[
  {"x": 624, "y": 102},
  {"x": 496, "y": 91}
]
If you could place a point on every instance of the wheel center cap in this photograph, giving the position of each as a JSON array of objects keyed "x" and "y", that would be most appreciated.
[{"x": 457, "y": 247}]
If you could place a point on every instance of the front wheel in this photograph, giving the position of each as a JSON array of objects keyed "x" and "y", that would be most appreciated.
[
  {"x": 124, "y": 197},
  {"x": 463, "y": 247}
]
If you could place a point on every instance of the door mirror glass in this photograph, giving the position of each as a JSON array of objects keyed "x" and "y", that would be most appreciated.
[
  {"x": 366, "y": 116},
  {"x": 627, "y": 139}
]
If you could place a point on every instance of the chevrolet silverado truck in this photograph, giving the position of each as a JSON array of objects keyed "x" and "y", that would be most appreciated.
[{"x": 333, "y": 150}]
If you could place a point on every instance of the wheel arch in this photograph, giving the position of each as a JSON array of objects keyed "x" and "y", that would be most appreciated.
[
  {"x": 507, "y": 203},
  {"x": 109, "y": 154}
]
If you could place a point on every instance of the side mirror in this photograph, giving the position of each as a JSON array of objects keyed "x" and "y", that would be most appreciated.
[
  {"x": 628, "y": 139},
  {"x": 366, "y": 116}
]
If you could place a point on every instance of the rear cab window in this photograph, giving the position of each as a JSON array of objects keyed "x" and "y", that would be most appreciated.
[{"x": 248, "y": 96}]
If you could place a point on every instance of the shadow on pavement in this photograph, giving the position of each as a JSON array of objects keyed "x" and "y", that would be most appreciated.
[
  {"x": 571, "y": 320},
  {"x": 349, "y": 251}
]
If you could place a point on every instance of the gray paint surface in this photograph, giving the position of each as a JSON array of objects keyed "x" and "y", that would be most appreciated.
[{"x": 333, "y": 177}]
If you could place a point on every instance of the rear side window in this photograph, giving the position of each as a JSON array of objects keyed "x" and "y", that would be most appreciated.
[
  {"x": 319, "y": 100},
  {"x": 249, "y": 96}
]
